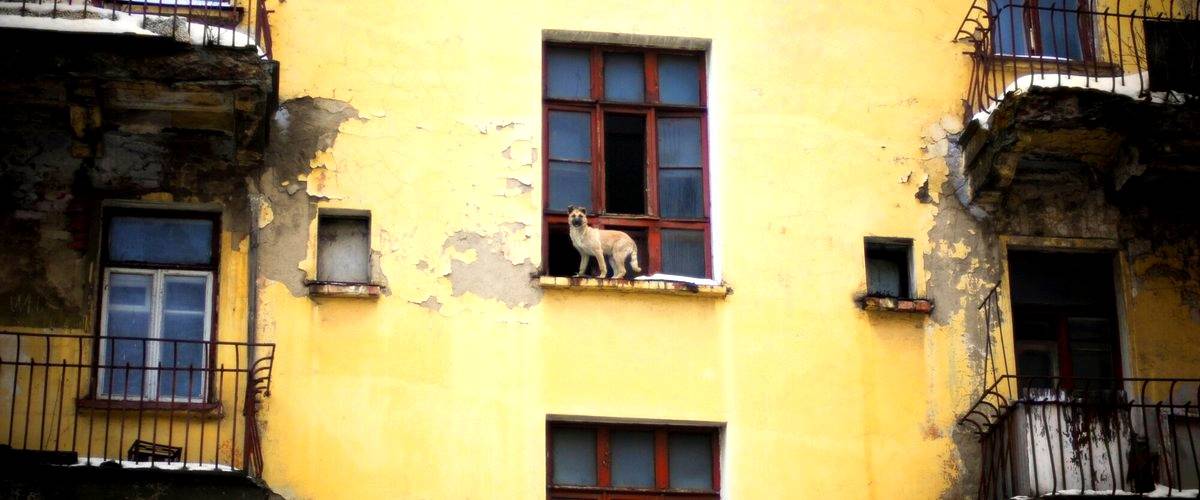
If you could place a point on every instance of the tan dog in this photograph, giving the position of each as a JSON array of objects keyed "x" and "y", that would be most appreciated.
[{"x": 598, "y": 243}]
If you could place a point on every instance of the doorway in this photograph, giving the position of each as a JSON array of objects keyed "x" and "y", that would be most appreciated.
[{"x": 1065, "y": 326}]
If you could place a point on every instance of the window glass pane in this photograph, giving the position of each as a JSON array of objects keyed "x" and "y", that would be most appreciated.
[
  {"x": 690, "y": 461},
  {"x": 625, "y": 163},
  {"x": 1059, "y": 25},
  {"x": 570, "y": 184},
  {"x": 160, "y": 240},
  {"x": 568, "y": 72},
  {"x": 679, "y": 193},
  {"x": 679, "y": 142},
  {"x": 344, "y": 249},
  {"x": 679, "y": 79},
  {"x": 570, "y": 136},
  {"x": 1008, "y": 27},
  {"x": 574, "y": 456},
  {"x": 883, "y": 277},
  {"x": 632, "y": 458},
  {"x": 128, "y": 315},
  {"x": 683, "y": 252},
  {"x": 185, "y": 308},
  {"x": 623, "y": 77}
]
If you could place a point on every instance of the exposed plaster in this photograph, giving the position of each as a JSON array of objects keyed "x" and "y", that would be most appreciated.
[{"x": 490, "y": 274}]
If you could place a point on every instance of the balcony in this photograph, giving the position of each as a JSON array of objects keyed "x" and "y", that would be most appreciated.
[
  {"x": 1063, "y": 90},
  {"x": 132, "y": 403},
  {"x": 1056, "y": 437}
]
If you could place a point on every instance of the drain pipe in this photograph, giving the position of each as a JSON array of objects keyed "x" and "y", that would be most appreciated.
[{"x": 255, "y": 210}]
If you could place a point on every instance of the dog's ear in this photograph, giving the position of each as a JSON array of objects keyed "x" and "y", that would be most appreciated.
[{"x": 570, "y": 208}]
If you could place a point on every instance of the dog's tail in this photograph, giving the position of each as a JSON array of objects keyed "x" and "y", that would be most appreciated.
[{"x": 633, "y": 262}]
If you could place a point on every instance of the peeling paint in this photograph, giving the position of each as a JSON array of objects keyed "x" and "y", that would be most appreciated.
[{"x": 491, "y": 274}]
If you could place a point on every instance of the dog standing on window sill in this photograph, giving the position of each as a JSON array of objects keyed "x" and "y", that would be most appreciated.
[{"x": 599, "y": 243}]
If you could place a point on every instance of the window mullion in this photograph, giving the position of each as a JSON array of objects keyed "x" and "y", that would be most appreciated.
[
  {"x": 652, "y": 163},
  {"x": 603, "y": 458},
  {"x": 152, "y": 355},
  {"x": 598, "y": 160},
  {"x": 662, "y": 480}
]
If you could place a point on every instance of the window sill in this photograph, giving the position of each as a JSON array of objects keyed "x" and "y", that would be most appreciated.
[
  {"x": 894, "y": 304},
  {"x": 346, "y": 290},
  {"x": 666, "y": 287},
  {"x": 213, "y": 410}
]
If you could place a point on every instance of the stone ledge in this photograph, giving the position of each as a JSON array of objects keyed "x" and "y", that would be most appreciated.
[
  {"x": 893, "y": 304},
  {"x": 347, "y": 290},
  {"x": 635, "y": 286}
]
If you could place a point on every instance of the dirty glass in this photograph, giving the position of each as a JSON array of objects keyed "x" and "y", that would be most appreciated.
[
  {"x": 1059, "y": 25},
  {"x": 160, "y": 240},
  {"x": 632, "y": 458},
  {"x": 690, "y": 461},
  {"x": 1008, "y": 27},
  {"x": 185, "y": 308},
  {"x": 624, "y": 76},
  {"x": 680, "y": 179},
  {"x": 574, "y": 456},
  {"x": 570, "y": 160},
  {"x": 344, "y": 249},
  {"x": 568, "y": 73},
  {"x": 679, "y": 79},
  {"x": 683, "y": 252},
  {"x": 130, "y": 305}
]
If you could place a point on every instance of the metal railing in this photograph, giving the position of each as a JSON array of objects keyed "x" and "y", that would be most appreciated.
[
  {"x": 225, "y": 23},
  {"x": 1099, "y": 44},
  {"x": 175, "y": 404},
  {"x": 1047, "y": 435}
]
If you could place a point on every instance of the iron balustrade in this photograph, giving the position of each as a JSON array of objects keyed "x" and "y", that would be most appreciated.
[
  {"x": 1046, "y": 435},
  {"x": 165, "y": 403},
  {"x": 226, "y": 23},
  {"x": 1017, "y": 44}
]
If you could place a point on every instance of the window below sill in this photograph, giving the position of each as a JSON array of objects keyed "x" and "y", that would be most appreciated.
[
  {"x": 896, "y": 304},
  {"x": 207, "y": 409},
  {"x": 343, "y": 289},
  {"x": 652, "y": 286}
]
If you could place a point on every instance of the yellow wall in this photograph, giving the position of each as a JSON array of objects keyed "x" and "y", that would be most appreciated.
[{"x": 824, "y": 121}]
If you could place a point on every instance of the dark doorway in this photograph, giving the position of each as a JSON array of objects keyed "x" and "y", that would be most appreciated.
[{"x": 1064, "y": 319}]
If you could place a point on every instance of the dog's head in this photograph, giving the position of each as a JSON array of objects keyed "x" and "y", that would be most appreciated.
[{"x": 576, "y": 216}]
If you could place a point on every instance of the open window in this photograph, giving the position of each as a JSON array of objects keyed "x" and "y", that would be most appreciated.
[
  {"x": 158, "y": 289},
  {"x": 632, "y": 462},
  {"x": 889, "y": 268},
  {"x": 625, "y": 134}
]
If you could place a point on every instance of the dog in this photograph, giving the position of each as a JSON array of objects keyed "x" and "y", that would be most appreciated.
[{"x": 599, "y": 243}]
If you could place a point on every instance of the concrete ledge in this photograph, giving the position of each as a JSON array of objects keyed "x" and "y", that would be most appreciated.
[
  {"x": 893, "y": 304},
  {"x": 635, "y": 286},
  {"x": 348, "y": 290}
]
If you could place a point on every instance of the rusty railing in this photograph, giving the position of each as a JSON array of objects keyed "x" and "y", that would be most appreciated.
[
  {"x": 163, "y": 403},
  {"x": 1048, "y": 435},
  {"x": 1128, "y": 47},
  {"x": 224, "y": 23}
]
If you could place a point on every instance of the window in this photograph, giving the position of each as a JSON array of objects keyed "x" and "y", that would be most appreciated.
[
  {"x": 344, "y": 248},
  {"x": 1057, "y": 29},
  {"x": 157, "y": 305},
  {"x": 1171, "y": 56},
  {"x": 631, "y": 462},
  {"x": 625, "y": 135},
  {"x": 889, "y": 262}
]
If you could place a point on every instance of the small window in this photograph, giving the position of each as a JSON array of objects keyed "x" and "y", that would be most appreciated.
[
  {"x": 344, "y": 249},
  {"x": 633, "y": 461},
  {"x": 888, "y": 268}
]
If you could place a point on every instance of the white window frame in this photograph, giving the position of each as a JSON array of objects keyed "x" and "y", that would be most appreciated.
[{"x": 149, "y": 389}]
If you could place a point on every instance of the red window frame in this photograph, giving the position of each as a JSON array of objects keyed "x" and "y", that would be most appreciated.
[
  {"x": 653, "y": 109},
  {"x": 604, "y": 489}
]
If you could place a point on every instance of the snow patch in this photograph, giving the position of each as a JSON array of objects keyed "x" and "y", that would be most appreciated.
[
  {"x": 680, "y": 279},
  {"x": 1132, "y": 85},
  {"x": 1160, "y": 491},
  {"x": 129, "y": 464}
]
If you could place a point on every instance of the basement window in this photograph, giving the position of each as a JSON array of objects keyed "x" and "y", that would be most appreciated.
[
  {"x": 888, "y": 268},
  {"x": 344, "y": 249}
]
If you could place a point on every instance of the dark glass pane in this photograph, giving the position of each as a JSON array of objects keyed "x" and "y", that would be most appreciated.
[
  {"x": 679, "y": 142},
  {"x": 887, "y": 269},
  {"x": 680, "y": 194},
  {"x": 683, "y": 252},
  {"x": 574, "y": 456},
  {"x": 160, "y": 240},
  {"x": 1093, "y": 329},
  {"x": 1008, "y": 27},
  {"x": 624, "y": 76},
  {"x": 344, "y": 249},
  {"x": 632, "y": 458},
  {"x": 568, "y": 72},
  {"x": 679, "y": 79},
  {"x": 1059, "y": 25},
  {"x": 625, "y": 163},
  {"x": 122, "y": 375},
  {"x": 570, "y": 136},
  {"x": 1089, "y": 360},
  {"x": 185, "y": 308},
  {"x": 570, "y": 184},
  {"x": 690, "y": 460},
  {"x": 1036, "y": 360}
]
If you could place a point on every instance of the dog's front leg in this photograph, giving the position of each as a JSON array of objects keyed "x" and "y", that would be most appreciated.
[
  {"x": 583, "y": 261},
  {"x": 601, "y": 262}
]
